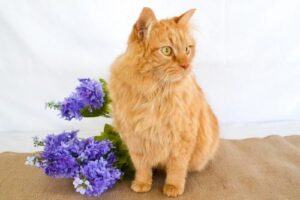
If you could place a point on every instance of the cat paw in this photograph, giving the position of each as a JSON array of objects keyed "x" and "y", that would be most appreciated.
[
  {"x": 140, "y": 187},
  {"x": 172, "y": 190}
]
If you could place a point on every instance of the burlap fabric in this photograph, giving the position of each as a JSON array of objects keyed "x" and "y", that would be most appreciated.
[{"x": 254, "y": 169}]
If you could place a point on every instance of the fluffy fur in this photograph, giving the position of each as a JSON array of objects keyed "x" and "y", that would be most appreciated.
[{"x": 158, "y": 108}]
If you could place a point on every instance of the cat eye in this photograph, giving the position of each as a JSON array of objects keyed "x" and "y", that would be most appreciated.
[
  {"x": 187, "y": 50},
  {"x": 167, "y": 51}
]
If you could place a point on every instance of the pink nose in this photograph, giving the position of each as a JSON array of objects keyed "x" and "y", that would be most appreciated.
[{"x": 184, "y": 65}]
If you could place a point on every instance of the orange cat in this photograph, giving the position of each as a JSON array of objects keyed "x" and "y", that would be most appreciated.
[{"x": 158, "y": 108}]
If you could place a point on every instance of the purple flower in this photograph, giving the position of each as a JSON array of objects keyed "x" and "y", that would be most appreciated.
[
  {"x": 111, "y": 159},
  {"x": 60, "y": 154},
  {"x": 89, "y": 162},
  {"x": 88, "y": 94},
  {"x": 92, "y": 149},
  {"x": 70, "y": 108},
  {"x": 99, "y": 175},
  {"x": 62, "y": 139},
  {"x": 60, "y": 164}
]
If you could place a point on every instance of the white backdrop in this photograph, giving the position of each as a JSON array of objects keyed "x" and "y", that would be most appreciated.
[{"x": 248, "y": 59}]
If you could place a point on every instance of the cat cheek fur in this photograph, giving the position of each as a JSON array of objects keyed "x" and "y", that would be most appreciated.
[{"x": 158, "y": 108}]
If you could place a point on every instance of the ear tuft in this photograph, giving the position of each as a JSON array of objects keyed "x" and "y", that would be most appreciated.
[
  {"x": 142, "y": 25},
  {"x": 185, "y": 17}
]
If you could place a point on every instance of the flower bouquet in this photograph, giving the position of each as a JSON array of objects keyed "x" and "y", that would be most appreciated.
[{"x": 95, "y": 164}]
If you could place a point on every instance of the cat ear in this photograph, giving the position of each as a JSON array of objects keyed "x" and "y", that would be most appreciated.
[
  {"x": 185, "y": 17},
  {"x": 142, "y": 26}
]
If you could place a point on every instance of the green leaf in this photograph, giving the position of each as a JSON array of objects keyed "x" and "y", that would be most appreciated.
[
  {"x": 124, "y": 162},
  {"x": 52, "y": 105},
  {"x": 105, "y": 110}
]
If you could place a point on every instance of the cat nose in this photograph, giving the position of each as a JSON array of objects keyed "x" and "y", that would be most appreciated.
[{"x": 184, "y": 65}]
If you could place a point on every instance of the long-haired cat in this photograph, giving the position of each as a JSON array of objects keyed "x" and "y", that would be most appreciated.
[{"x": 158, "y": 108}]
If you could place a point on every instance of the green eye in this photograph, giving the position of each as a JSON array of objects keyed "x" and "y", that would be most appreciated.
[
  {"x": 187, "y": 50},
  {"x": 167, "y": 51}
]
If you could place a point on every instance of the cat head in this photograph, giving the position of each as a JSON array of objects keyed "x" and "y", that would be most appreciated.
[{"x": 165, "y": 48}]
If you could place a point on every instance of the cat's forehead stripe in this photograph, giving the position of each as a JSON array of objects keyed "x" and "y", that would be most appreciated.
[
  {"x": 177, "y": 38},
  {"x": 166, "y": 33}
]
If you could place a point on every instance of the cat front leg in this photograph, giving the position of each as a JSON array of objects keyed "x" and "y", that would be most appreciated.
[
  {"x": 176, "y": 172},
  {"x": 176, "y": 169},
  {"x": 143, "y": 174}
]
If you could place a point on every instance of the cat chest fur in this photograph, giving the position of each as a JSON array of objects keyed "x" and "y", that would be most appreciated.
[{"x": 153, "y": 126}]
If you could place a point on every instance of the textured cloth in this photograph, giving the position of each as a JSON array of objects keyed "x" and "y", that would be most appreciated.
[{"x": 267, "y": 168}]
